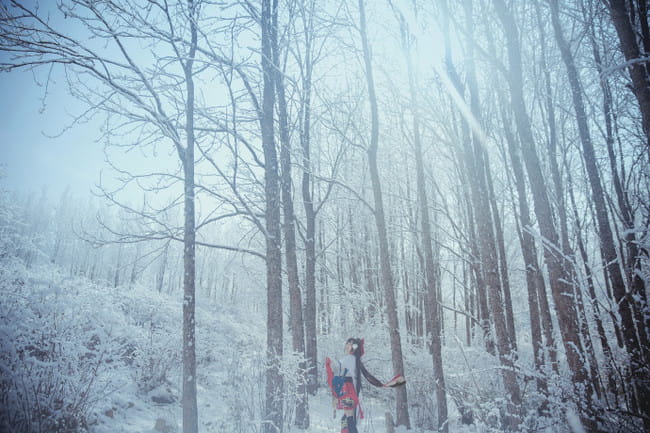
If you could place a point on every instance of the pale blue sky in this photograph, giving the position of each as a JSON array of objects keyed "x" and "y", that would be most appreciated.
[{"x": 30, "y": 158}]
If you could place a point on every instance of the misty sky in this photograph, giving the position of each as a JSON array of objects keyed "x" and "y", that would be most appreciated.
[{"x": 30, "y": 158}]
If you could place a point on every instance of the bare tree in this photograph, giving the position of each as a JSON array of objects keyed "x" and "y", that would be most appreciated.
[
  {"x": 386, "y": 272},
  {"x": 297, "y": 325},
  {"x": 273, "y": 416},
  {"x": 432, "y": 298},
  {"x": 623, "y": 16},
  {"x": 114, "y": 81},
  {"x": 558, "y": 267}
]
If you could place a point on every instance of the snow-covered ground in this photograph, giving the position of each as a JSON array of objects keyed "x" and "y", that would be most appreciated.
[
  {"x": 65, "y": 337},
  {"x": 135, "y": 414},
  {"x": 78, "y": 354}
]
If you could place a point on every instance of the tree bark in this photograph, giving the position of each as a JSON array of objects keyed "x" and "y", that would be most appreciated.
[
  {"x": 189, "y": 403},
  {"x": 557, "y": 267},
  {"x": 273, "y": 416},
  {"x": 529, "y": 253},
  {"x": 635, "y": 346},
  {"x": 632, "y": 52},
  {"x": 311, "y": 342},
  {"x": 502, "y": 259},
  {"x": 295, "y": 297},
  {"x": 402, "y": 417},
  {"x": 426, "y": 242}
]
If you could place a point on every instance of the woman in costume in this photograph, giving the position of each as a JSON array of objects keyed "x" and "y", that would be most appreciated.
[{"x": 344, "y": 379}]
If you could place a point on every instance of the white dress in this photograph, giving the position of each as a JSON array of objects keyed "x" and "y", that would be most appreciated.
[{"x": 348, "y": 367}]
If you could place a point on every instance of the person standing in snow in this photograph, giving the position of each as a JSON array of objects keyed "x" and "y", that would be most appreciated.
[{"x": 344, "y": 379}]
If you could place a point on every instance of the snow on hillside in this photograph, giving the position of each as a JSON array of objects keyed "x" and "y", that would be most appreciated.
[{"x": 111, "y": 356}]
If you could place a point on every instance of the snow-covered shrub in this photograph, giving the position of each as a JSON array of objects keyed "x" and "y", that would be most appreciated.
[
  {"x": 154, "y": 364},
  {"x": 16, "y": 239},
  {"x": 474, "y": 388},
  {"x": 154, "y": 352},
  {"x": 422, "y": 398},
  {"x": 230, "y": 355},
  {"x": 51, "y": 356},
  {"x": 294, "y": 378},
  {"x": 244, "y": 392}
]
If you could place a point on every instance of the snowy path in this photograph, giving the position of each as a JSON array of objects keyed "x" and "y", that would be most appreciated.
[
  {"x": 129, "y": 416},
  {"x": 322, "y": 419}
]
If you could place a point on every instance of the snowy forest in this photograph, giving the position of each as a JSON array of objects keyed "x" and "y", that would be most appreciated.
[{"x": 464, "y": 184}]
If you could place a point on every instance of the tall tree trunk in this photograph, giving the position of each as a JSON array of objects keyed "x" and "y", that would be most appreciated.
[
  {"x": 465, "y": 159},
  {"x": 311, "y": 342},
  {"x": 295, "y": 297},
  {"x": 502, "y": 259},
  {"x": 189, "y": 403},
  {"x": 604, "y": 342},
  {"x": 429, "y": 271},
  {"x": 529, "y": 253},
  {"x": 557, "y": 267},
  {"x": 488, "y": 248},
  {"x": 635, "y": 346},
  {"x": 632, "y": 52},
  {"x": 402, "y": 417},
  {"x": 273, "y": 415},
  {"x": 591, "y": 169},
  {"x": 324, "y": 304},
  {"x": 558, "y": 188},
  {"x": 625, "y": 212}
]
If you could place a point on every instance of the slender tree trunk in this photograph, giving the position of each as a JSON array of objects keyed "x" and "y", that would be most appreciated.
[
  {"x": 472, "y": 194},
  {"x": 502, "y": 259},
  {"x": 488, "y": 244},
  {"x": 295, "y": 297},
  {"x": 558, "y": 188},
  {"x": 273, "y": 415},
  {"x": 469, "y": 305},
  {"x": 557, "y": 266},
  {"x": 604, "y": 342},
  {"x": 325, "y": 309},
  {"x": 632, "y": 52},
  {"x": 117, "y": 267},
  {"x": 189, "y": 403},
  {"x": 635, "y": 346},
  {"x": 160, "y": 275},
  {"x": 429, "y": 272},
  {"x": 311, "y": 343},
  {"x": 529, "y": 253},
  {"x": 402, "y": 417}
]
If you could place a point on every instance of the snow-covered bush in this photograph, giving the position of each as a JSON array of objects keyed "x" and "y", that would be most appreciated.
[
  {"x": 230, "y": 367},
  {"x": 154, "y": 350},
  {"x": 51, "y": 356}
]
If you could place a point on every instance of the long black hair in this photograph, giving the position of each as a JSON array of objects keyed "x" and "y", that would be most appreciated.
[{"x": 357, "y": 351}]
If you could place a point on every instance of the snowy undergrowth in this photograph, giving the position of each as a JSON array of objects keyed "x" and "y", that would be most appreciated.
[{"x": 80, "y": 356}]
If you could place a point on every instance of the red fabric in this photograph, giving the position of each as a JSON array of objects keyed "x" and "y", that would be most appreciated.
[
  {"x": 395, "y": 381},
  {"x": 348, "y": 389},
  {"x": 330, "y": 374}
]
